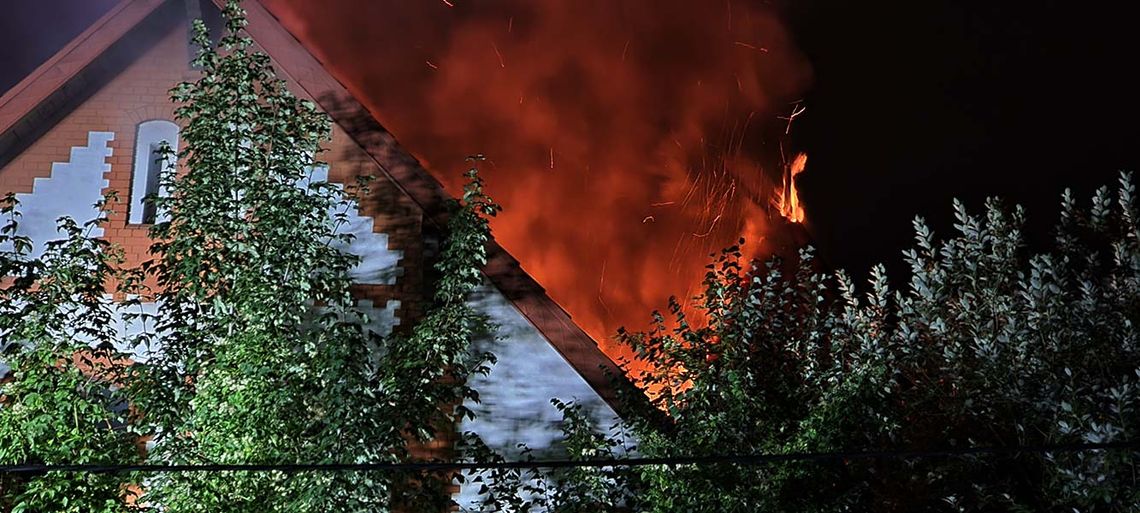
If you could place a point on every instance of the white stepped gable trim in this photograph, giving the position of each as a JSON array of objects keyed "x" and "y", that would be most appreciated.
[
  {"x": 129, "y": 341},
  {"x": 378, "y": 264},
  {"x": 125, "y": 333},
  {"x": 72, "y": 190},
  {"x": 381, "y": 321}
]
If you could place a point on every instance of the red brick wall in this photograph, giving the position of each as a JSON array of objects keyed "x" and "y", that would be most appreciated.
[
  {"x": 136, "y": 95},
  {"x": 140, "y": 93}
]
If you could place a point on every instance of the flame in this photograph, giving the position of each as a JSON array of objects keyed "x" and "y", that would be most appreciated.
[
  {"x": 787, "y": 199},
  {"x": 626, "y": 140}
]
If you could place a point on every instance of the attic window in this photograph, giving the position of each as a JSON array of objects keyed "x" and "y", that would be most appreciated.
[{"x": 148, "y": 168}]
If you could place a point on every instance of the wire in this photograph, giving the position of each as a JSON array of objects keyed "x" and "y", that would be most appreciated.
[{"x": 750, "y": 459}]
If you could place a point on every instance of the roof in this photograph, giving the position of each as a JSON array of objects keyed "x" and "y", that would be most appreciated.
[{"x": 19, "y": 108}]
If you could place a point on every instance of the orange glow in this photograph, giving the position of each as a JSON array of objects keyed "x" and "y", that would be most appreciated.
[
  {"x": 626, "y": 140},
  {"x": 787, "y": 199}
]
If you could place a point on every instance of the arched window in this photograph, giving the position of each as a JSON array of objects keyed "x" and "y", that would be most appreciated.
[{"x": 148, "y": 167}]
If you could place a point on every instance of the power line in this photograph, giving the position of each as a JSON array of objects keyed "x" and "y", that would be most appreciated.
[{"x": 749, "y": 459}]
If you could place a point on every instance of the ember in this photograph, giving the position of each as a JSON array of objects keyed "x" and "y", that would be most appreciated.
[{"x": 647, "y": 139}]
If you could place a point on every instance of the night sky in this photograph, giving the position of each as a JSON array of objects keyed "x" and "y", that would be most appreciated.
[
  {"x": 31, "y": 31},
  {"x": 916, "y": 103},
  {"x": 912, "y": 104}
]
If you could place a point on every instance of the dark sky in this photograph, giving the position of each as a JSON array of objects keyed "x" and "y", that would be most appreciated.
[
  {"x": 918, "y": 102},
  {"x": 913, "y": 103},
  {"x": 32, "y": 30}
]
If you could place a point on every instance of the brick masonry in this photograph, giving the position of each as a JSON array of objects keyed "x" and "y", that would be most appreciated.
[{"x": 140, "y": 93}]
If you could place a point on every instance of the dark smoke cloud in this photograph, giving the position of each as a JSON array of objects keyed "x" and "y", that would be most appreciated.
[{"x": 628, "y": 139}]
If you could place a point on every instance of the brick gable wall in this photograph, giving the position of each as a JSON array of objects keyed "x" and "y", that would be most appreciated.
[{"x": 140, "y": 93}]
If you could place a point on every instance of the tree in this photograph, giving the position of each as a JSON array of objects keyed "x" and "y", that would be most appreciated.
[
  {"x": 263, "y": 358},
  {"x": 60, "y": 404},
  {"x": 986, "y": 346},
  {"x": 249, "y": 368},
  {"x": 254, "y": 352}
]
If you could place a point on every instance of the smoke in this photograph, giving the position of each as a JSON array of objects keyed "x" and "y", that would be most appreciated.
[
  {"x": 31, "y": 32},
  {"x": 626, "y": 140}
]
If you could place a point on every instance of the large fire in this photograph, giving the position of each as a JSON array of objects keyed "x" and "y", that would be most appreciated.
[{"x": 627, "y": 140}]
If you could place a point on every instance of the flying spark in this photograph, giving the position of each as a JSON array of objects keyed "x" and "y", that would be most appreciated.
[
  {"x": 567, "y": 91},
  {"x": 796, "y": 111},
  {"x": 711, "y": 226},
  {"x": 502, "y": 64}
]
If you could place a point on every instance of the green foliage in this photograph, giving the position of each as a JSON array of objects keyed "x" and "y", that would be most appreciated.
[
  {"x": 247, "y": 367},
  {"x": 60, "y": 404},
  {"x": 986, "y": 346},
  {"x": 430, "y": 366},
  {"x": 586, "y": 489},
  {"x": 263, "y": 358},
  {"x": 425, "y": 373},
  {"x": 256, "y": 353}
]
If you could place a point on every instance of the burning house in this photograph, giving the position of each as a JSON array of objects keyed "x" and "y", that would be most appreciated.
[{"x": 90, "y": 120}]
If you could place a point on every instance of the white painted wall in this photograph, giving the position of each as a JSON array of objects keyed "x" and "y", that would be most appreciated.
[
  {"x": 75, "y": 186},
  {"x": 515, "y": 398},
  {"x": 381, "y": 320},
  {"x": 72, "y": 189},
  {"x": 378, "y": 264}
]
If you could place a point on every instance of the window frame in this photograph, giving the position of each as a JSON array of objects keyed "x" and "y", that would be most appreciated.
[{"x": 147, "y": 170}]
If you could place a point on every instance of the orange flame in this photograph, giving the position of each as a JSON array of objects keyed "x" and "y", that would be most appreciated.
[{"x": 787, "y": 199}]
